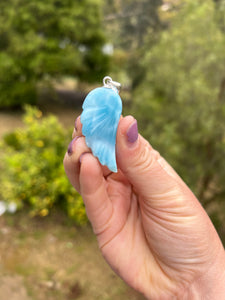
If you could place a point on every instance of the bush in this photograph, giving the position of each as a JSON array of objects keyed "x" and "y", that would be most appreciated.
[{"x": 32, "y": 174}]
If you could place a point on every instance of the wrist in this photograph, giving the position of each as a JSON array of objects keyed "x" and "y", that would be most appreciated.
[{"x": 211, "y": 284}]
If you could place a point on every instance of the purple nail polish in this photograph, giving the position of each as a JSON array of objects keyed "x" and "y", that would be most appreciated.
[
  {"x": 70, "y": 147},
  {"x": 132, "y": 132}
]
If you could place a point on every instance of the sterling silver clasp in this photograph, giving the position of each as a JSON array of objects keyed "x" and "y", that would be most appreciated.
[{"x": 110, "y": 84}]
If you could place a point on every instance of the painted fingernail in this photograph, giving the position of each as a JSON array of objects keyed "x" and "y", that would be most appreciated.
[
  {"x": 132, "y": 132},
  {"x": 70, "y": 147},
  {"x": 75, "y": 125}
]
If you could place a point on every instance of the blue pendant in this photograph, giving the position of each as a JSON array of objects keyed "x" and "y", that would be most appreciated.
[{"x": 102, "y": 109}]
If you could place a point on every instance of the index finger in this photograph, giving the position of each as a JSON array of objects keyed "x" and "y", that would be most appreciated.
[{"x": 77, "y": 128}]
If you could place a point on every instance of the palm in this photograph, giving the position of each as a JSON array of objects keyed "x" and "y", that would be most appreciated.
[
  {"x": 129, "y": 240},
  {"x": 123, "y": 239}
]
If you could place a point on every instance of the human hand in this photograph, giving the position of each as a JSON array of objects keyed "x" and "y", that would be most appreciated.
[{"x": 150, "y": 227}]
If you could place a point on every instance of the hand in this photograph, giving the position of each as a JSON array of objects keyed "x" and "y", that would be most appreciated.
[{"x": 150, "y": 227}]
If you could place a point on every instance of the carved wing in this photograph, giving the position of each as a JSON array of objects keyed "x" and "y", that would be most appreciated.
[{"x": 100, "y": 117}]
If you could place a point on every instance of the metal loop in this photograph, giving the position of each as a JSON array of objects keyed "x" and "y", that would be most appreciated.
[{"x": 109, "y": 83}]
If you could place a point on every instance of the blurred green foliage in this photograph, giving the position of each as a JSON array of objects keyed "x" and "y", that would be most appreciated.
[
  {"x": 32, "y": 174},
  {"x": 220, "y": 6},
  {"x": 130, "y": 20},
  {"x": 180, "y": 104},
  {"x": 43, "y": 40},
  {"x": 128, "y": 23}
]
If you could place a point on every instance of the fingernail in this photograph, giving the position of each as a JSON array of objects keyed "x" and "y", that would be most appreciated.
[
  {"x": 132, "y": 132},
  {"x": 75, "y": 125},
  {"x": 70, "y": 147}
]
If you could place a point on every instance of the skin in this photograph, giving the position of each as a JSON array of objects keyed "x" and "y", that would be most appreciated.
[{"x": 150, "y": 227}]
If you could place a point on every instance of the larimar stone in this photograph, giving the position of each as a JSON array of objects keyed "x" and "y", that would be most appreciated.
[{"x": 100, "y": 117}]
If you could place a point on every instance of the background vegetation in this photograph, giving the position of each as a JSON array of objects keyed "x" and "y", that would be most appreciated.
[
  {"x": 41, "y": 40},
  {"x": 170, "y": 58},
  {"x": 34, "y": 176}
]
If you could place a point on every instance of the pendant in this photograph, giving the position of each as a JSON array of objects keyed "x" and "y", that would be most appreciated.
[{"x": 102, "y": 109}]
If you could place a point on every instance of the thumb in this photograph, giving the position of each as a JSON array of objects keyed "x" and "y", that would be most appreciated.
[{"x": 150, "y": 175}]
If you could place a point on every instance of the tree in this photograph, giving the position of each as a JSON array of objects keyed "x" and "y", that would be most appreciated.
[
  {"x": 220, "y": 5},
  {"x": 128, "y": 23},
  {"x": 132, "y": 19},
  {"x": 41, "y": 40},
  {"x": 180, "y": 105}
]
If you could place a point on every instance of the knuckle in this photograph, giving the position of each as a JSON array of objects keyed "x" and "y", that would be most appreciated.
[
  {"x": 81, "y": 145},
  {"x": 146, "y": 158}
]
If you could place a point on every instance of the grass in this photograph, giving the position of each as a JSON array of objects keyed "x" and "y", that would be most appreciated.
[{"x": 57, "y": 260}]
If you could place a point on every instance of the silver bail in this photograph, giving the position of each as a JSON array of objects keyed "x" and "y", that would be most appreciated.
[{"x": 110, "y": 84}]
